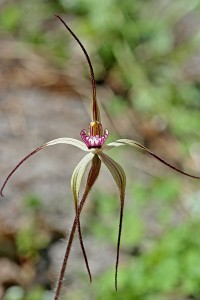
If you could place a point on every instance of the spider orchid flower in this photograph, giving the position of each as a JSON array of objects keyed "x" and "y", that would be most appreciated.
[{"x": 93, "y": 142}]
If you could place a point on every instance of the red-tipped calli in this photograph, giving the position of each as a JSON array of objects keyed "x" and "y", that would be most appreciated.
[{"x": 95, "y": 138}]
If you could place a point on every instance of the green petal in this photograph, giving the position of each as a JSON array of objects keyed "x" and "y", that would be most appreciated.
[
  {"x": 119, "y": 176},
  {"x": 126, "y": 142}
]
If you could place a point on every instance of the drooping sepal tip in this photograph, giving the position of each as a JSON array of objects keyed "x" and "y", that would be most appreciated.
[
  {"x": 119, "y": 176},
  {"x": 65, "y": 140}
]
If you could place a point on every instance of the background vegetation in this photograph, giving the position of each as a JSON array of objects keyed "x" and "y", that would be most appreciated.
[{"x": 146, "y": 56}]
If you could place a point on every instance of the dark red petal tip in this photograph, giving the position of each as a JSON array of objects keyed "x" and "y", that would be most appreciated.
[{"x": 18, "y": 165}]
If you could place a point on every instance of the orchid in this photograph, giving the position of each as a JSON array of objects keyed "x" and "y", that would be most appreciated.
[{"x": 93, "y": 142}]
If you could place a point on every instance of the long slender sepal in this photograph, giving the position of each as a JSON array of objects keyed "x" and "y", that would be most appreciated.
[
  {"x": 76, "y": 181},
  {"x": 95, "y": 109},
  {"x": 119, "y": 176},
  {"x": 92, "y": 176},
  {"x": 69, "y": 141},
  {"x": 17, "y": 166},
  {"x": 126, "y": 142}
]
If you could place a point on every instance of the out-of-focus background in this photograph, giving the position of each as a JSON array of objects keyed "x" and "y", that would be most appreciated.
[{"x": 146, "y": 56}]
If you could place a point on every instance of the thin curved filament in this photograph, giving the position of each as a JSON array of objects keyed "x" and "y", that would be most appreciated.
[{"x": 92, "y": 176}]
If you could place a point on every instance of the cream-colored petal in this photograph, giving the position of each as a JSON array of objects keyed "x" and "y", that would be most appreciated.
[
  {"x": 91, "y": 178},
  {"x": 123, "y": 142},
  {"x": 126, "y": 142},
  {"x": 77, "y": 175},
  {"x": 115, "y": 169},
  {"x": 119, "y": 176},
  {"x": 76, "y": 181},
  {"x": 69, "y": 141}
]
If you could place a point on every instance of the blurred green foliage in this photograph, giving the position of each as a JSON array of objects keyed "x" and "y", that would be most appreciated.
[
  {"x": 134, "y": 46},
  {"x": 166, "y": 267},
  {"x": 37, "y": 293},
  {"x": 169, "y": 269}
]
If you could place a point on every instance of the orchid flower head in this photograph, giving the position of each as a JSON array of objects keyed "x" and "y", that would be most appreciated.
[
  {"x": 93, "y": 142},
  {"x": 95, "y": 138}
]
